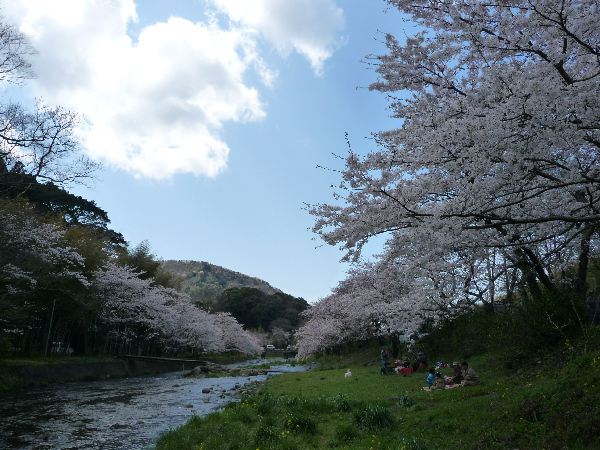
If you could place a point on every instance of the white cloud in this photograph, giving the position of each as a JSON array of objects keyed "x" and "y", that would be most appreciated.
[
  {"x": 155, "y": 107},
  {"x": 309, "y": 27}
]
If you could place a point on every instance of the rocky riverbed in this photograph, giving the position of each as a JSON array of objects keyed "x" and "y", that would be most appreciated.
[{"x": 218, "y": 370}]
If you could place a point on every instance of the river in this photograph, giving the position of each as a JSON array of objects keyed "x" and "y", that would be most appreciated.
[{"x": 112, "y": 414}]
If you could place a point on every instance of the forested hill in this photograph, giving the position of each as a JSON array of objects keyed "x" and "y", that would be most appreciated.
[{"x": 204, "y": 281}]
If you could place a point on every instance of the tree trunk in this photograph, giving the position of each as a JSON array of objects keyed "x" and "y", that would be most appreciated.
[
  {"x": 540, "y": 271},
  {"x": 582, "y": 267}
]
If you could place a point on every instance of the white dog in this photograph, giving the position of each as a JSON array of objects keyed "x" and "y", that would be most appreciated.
[{"x": 348, "y": 374}]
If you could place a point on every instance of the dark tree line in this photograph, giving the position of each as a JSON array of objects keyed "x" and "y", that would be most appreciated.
[{"x": 257, "y": 310}]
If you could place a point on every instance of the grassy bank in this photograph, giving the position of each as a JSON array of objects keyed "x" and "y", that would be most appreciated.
[{"x": 548, "y": 403}]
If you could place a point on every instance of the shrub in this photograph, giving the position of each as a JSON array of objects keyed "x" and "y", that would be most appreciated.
[
  {"x": 301, "y": 422},
  {"x": 530, "y": 325},
  {"x": 346, "y": 432},
  {"x": 6, "y": 346},
  {"x": 266, "y": 434},
  {"x": 415, "y": 443},
  {"x": 374, "y": 418},
  {"x": 321, "y": 404},
  {"x": 405, "y": 401},
  {"x": 244, "y": 414},
  {"x": 341, "y": 403},
  {"x": 265, "y": 404}
]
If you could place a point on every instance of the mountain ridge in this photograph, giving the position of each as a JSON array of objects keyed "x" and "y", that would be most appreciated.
[{"x": 203, "y": 281}]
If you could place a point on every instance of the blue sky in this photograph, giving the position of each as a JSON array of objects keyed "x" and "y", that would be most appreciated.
[{"x": 211, "y": 117}]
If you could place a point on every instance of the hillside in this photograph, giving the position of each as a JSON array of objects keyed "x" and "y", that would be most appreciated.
[{"x": 204, "y": 281}]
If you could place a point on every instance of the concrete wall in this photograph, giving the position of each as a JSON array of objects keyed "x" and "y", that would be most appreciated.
[{"x": 36, "y": 375}]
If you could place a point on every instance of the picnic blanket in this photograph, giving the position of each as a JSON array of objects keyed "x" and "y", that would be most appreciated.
[{"x": 448, "y": 386}]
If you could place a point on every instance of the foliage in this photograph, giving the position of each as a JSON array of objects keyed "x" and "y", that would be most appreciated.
[
  {"x": 35, "y": 263},
  {"x": 373, "y": 418},
  {"x": 405, "y": 401},
  {"x": 549, "y": 320},
  {"x": 256, "y": 309},
  {"x": 61, "y": 283},
  {"x": 142, "y": 260},
  {"x": 52, "y": 199}
]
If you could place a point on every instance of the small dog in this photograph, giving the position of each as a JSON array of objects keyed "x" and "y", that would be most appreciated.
[{"x": 348, "y": 374}]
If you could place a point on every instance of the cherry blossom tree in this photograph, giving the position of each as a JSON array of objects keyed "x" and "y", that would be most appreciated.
[
  {"x": 280, "y": 337},
  {"x": 232, "y": 336},
  {"x": 385, "y": 298},
  {"x": 130, "y": 307},
  {"x": 491, "y": 179},
  {"x": 140, "y": 316},
  {"x": 189, "y": 327},
  {"x": 500, "y": 118},
  {"x": 39, "y": 269},
  {"x": 318, "y": 334}
]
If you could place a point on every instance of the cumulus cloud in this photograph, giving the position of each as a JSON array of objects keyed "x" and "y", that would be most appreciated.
[
  {"x": 309, "y": 27},
  {"x": 155, "y": 107}
]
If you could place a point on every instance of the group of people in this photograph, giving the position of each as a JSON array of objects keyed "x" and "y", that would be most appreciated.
[
  {"x": 420, "y": 362},
  {"x": 463, "y": 376}
]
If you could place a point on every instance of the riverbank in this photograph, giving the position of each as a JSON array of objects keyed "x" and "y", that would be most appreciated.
[
  {"x": 24, "y": 373},
  {"x": 19, "y": 375},
  {"x": 549, "y": 402}
]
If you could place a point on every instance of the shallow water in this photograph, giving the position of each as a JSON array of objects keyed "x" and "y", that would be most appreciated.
[{"x": 111, "y": 414}]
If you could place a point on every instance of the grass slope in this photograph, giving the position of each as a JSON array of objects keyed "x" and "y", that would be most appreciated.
[{"x": 550, "y": 403}]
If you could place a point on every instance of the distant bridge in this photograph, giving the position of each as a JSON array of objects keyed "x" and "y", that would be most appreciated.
[
  {"x": 174, "y": 364},
  {"x": 281, "y": 353},
  {"x": 165, "y": 364}
]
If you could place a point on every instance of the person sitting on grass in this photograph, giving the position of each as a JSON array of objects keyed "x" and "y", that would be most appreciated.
[
  {"x": 439, "y": 382},
  {"x": 456, "y": 377},
  {"x": 431, "y": 377},
  {"x": 422, "y": 359},
  {"x": 470, "y": 377}
]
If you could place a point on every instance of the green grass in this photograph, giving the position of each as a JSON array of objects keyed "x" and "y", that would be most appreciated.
[{"x": 552, "y": 403}]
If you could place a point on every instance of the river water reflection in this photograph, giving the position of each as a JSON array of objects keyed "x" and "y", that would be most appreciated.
[{"x": 111, "y": 414}]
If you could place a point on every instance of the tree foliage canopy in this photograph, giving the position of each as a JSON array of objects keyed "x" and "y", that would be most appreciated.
[{"x": 256, "y": 309}]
